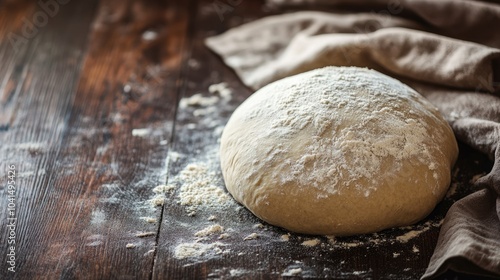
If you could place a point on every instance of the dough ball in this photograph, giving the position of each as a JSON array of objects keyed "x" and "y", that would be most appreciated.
[{"x": 338, "y": 150}]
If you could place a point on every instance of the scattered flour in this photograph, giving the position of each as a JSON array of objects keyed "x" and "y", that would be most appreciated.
[
  {"x": 150, "y": 252},
  {"x": 32, "y": 146},
  {"x": 149, "y": 35},
  {"x": 311, "y": 242},
  {"x": 141, "y": 132},
  {"x": 145, "y": 234},
  {"x": 98, "y": 217},
  {"x": 150, "y": 220},
  {"x": 258, "y": 225},
  {"x": 198, "y": 100},
  {"x": 175, "y": 156},
  {"x": 224, "y": 236},
  {"x": 193, "y": 63},
  {"x": 204, "y": 111},
  {"x": 94, "y": 243},
  {"x": 357, "y": 273},
  {"x": 415, "y": 249},
  {"x": 222, "y": 89},
  {"x": 209, "y": 230},
  {"x": 407, "y": 236},
  {"x": 208, "y": 106},
  {"x": 331, "y": 239},
  {"x": 113, "y": 199},
  {"x": 158, "y": 200},
  {"x": 251, "y": 236},
  {"x": 237, "y": 272},
  {"x": 164, "y": 189},
  {"x": 349, "y": 244},
  {"x": 212, "y": 218},
  {"x": 193, "y": 250},
  {"x": 198, "y": 189},
  {"x": 292, "y": 272}
]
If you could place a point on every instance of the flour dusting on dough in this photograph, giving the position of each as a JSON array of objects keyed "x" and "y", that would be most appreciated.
[{"x": 356, "y": 147}]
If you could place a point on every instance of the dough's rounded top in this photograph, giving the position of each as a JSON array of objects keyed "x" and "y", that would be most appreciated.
[{"x": 338, "y": 150}]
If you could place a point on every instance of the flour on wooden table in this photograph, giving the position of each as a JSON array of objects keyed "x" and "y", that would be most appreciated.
[
  {"x": 258, "y": 226},
  {"x": 238, "y": 272},
  {"x": 212, "y": 218},
  {"x": 251, "y": 236},
  {"x": 174, "y": 156},
  {"x": 98, "y": 217},
  {"x": 198, "y": 100},
  {"x": 150, "y": 219},
  {"x": 163, "y": 189},
  {"x": 193, "y": 250},
  {"x": 218, "y": 91},
  {"x": 141, "y": 132},
  {"x": 285, "y": 237},
  {"x": 31, "y": 146},
  {"x": 158, "y": 200},
  {"x": 415, "y": 249},
  {"x": 311, "y": 242},
  {"x": 292, "y": 272},
  {"x": 407, "y": 236},
  {"x": 222, "y": 89},
  {"x": 193, "y": 63},
  {"x": 223, "y": 236},
  {"x": 212, "y": 229},
  {"x": 149, "y": 35},
  {"x": 145, "y": 234}
]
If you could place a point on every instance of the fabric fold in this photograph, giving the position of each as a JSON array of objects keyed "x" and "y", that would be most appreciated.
[
  {"x": 471, "y": 220},
  {"x": 262, "y": 54},
  {"x": 457, "y": 19}
]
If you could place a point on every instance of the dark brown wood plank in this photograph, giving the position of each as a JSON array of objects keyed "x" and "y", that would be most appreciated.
[
  {"x": 268, "y": 257},
  {"x": 12, "y": 56},
  {"x": 107, "y": 146},
  {"x": 121, "y": 121},
  {"x": 38, "y": 76}
]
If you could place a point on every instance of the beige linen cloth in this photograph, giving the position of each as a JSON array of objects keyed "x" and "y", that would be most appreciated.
[{"x": 447, "y": 50}]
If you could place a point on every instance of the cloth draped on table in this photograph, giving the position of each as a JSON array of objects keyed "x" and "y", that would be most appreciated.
[{"x": 447, "y": 50}]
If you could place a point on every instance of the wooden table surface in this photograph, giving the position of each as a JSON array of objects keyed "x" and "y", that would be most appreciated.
[{"x": 90, "y": 124}]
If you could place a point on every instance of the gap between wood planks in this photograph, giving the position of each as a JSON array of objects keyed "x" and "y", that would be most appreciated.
[{"x": 192, "y": 7}]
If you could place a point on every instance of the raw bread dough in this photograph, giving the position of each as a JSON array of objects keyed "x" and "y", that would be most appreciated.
[{"x": 338, "y": 150}]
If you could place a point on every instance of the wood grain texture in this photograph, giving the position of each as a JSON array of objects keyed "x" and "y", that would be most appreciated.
[
  {"x": 38, "y": 81},
  {"x": 91, "y": 185},
  {"x": 122, "y": 119},
  {"x": 90, "y": 117}
]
